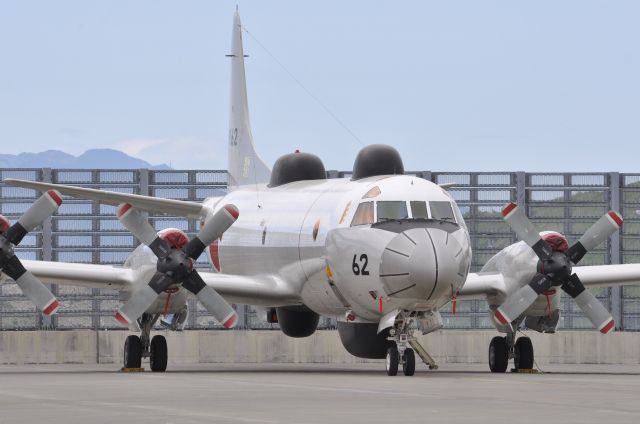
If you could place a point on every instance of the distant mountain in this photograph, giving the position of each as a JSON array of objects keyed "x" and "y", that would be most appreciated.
[{"x": 94, "y": 158}]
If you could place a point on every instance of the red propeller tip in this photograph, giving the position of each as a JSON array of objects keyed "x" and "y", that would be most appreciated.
[
  {"x": 123, "y": 209},
  {"x": 55, "y": 196},
  {"x": 51, "y": 308},
  {"x": 608, "y": 327},
  {"x": 230, "y": 322},
  {"x": 508, "y": 209},
  {"x": 501, "y": 318},
  {"x": 233, "y": 211},
  {"x": 122, "y": 319},
  {"x": 615, "y": 216}
]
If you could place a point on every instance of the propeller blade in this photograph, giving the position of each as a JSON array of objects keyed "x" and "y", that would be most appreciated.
[
  {"x": 32, "y": 288},
  {"x": 212, "y": 230},
  {"x": 211, "y": 300},
  {"x": 141, "y": 299},
  {"x": 519, "y": 301},
  {"x": 135, "y": 222},
  {"x": 525, "y": 230},
  {"x": 41, "y": 209},
  {"x": 608, "y": 224},
  {"x": 589, "y": 304}
]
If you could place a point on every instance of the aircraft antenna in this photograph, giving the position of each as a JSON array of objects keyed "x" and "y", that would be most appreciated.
[{"x": 305, "y": 89}]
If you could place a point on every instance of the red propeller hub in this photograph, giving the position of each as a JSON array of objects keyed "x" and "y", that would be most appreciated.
[
  {"x": 176, "y": 238},
  {"x": 557, "y": 241},
  {"x": 4, "y": 224}
]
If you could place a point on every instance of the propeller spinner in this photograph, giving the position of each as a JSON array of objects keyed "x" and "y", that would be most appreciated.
[
  {"x": 175, "y": 265},
  {"x": 12, "y": 235},
  {"x": 555, "y": 268}
]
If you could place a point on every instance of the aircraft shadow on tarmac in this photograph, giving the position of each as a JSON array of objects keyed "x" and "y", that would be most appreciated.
[{"x": 284, "y": 369}]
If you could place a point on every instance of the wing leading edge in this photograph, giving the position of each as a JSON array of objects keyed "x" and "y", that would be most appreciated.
[
  {"x": 146, "y": 203},
  {"x": 262, "y": 290}
]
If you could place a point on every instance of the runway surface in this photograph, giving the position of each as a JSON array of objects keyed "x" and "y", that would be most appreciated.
[{"x": 312, "y": 393}]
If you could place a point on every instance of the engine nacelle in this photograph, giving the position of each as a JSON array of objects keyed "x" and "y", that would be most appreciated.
[
  {"x": 518, "y": 264},
  {"x": 363, "y": 340},
  {"x": 297, "y": 321}
]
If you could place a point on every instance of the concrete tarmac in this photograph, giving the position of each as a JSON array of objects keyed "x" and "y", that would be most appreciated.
[{"x": 318, "y": 393}]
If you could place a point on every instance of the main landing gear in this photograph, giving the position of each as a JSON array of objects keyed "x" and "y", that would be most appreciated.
[
  {"x": 403, "y": 349},
  {"x": 143, "y": 346},
  {"x": 504, "y": 348}
]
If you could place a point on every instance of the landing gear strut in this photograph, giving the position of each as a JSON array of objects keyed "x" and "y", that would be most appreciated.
[
  {"x": 404, "y": 348},
  {"x": 138, "y": 347},
  {"x": 504, "y": 348}
]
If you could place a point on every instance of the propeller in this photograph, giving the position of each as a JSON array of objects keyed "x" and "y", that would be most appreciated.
[
  {"x": 12, "y": 235},
  {"x": 175, "y": 265},
  {"x": 555, "y": 267}
]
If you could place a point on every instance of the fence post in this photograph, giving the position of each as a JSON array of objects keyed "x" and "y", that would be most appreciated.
[
  {"x": 615, "y": 293},
  {"x": 47, "y": 322}
]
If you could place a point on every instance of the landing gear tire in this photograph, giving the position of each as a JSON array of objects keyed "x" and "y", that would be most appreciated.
[
  {"x": 393, "y": 359},
  {"x": 159, "y": 354},
  {"x": 498, "y": 354},
  {"x": 133, "y": 352},
  {"x": 523, "y": 353},
  {"x": 409, "y": 363}
]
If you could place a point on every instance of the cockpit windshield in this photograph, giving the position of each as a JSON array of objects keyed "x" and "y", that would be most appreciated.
[
  {"x": 363, "y": 215},
  {"x": 442, "y": 210},
  {"x": 401, "y": 210},
  {"x": 392, "y": 210}
]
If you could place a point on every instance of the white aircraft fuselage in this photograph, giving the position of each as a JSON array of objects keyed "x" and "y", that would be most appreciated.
[{"x": 303, "y": 233}]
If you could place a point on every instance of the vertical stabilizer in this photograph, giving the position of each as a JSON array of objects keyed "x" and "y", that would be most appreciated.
[{"x": 245, "y": 166}]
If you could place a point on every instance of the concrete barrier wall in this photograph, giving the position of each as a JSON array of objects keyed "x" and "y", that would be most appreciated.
[{"x": 190, "y": 347}]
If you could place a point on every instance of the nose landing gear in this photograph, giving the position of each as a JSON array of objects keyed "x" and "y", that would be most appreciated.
[{"x": 404, "y": 349}]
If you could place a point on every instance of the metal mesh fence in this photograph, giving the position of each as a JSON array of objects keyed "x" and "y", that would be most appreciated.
[{"x": 85, "y": 232}]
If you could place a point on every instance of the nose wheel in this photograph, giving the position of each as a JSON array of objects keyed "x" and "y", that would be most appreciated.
[
  {"x": 403, "y": 347},
  {"x": 393, "y": 360}
]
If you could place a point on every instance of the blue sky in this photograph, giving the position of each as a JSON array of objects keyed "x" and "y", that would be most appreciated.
[{"x": 454, "y": 85}]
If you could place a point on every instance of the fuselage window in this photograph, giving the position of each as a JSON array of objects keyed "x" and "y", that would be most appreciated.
[
  {"x": 419, "y": 210},
  {"x": 392, "y": 210},
  {"x": 442, "y": 210},
  {"x": 363, "y": 215}
]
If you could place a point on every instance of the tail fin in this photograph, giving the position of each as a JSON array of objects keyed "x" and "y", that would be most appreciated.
[{"x": 245, "y": 166}]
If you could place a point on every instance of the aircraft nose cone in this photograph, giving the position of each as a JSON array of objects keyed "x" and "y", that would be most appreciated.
[{"x": 423, "y": 263}]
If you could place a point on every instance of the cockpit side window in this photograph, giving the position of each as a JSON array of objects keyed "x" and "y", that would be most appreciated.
[
  {"x": 442, "y": 210},
  {"x": 363, "y": 215},
  {"x": 419, "y": 209},
  {"x": 392, "y": 210}
]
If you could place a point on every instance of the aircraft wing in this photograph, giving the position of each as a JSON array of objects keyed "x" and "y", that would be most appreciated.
[
  {"x": 483, "y": 284},
  {"x": 608, "y": 275},
  {"x": 253, "y": 290},
  {"x": 263, "y": 290},
  {"x": 479, "y": 285},
  {"x": 85, "y": 275},
  {"x": 146, "y": 203}
]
